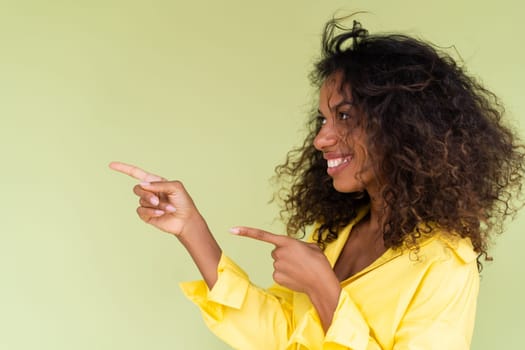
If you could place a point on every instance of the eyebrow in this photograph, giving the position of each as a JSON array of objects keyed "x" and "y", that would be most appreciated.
[{"x": 342, "y": 103}]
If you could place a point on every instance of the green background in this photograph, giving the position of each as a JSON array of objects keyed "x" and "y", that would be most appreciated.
[{"x": 209, "y": 92}]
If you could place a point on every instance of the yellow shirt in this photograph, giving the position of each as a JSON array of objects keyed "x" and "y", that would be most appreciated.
[{"x": 406, "y": 299}]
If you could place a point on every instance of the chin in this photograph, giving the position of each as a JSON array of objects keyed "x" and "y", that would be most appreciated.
[{"x": 347, "y": 187}]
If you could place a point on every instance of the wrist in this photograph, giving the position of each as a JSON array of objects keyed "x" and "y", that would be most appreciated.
[
  {"x": 325, "y": 299},
  {"x": 196, "y": 237},
  {"x": 194, "y": 226}
]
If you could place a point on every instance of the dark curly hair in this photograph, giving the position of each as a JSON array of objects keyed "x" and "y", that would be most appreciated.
[{"x": 435, "y": 135}]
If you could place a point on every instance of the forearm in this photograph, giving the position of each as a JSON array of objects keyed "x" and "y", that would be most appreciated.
[
  {"x": 202, "y": 247},
  {"x": 325, "y": 299}
]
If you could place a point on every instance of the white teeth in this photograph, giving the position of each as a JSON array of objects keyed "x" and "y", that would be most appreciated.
[{"x": 332, "y": 163}]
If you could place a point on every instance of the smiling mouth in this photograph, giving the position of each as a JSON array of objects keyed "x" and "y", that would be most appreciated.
[{"x": 333, "y": 163}]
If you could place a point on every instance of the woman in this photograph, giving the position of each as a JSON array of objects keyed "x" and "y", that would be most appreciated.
[{"x": 406, "y": 173}]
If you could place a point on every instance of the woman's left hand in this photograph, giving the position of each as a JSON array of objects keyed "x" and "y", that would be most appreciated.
[
  {"x": 298, "y": 265},
  {"x": 301, "y": 267}
]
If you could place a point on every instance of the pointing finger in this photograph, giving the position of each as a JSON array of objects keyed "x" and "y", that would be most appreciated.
[
  {"x": 260, "y": 235},
  {"x": 134, "y": 172}
]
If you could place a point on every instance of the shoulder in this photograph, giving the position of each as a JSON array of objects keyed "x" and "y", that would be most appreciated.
[{"x": 444, "y": 245}]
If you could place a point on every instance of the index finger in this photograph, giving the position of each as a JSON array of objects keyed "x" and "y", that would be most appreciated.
[
  {"x": 260, "y": 235},
  {"x": 135, "y": 172}
]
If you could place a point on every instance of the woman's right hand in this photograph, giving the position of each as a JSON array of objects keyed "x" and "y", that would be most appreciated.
[{"x": 162, "y": 203}]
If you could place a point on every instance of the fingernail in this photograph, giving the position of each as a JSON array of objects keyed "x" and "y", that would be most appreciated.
[
  {"x": 144, "y": 183},
  {"x": 154, "y": 201},
  {"x": 159, "y": 212},
  {"x": 235, "y": 230},
  {"x": 171, "y": 208}
]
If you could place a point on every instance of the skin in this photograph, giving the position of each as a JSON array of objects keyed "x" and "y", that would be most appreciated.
[{"x": 298, "y": 265}]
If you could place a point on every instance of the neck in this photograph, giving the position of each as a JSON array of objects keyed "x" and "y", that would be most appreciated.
[{"x": 377, "y": 214}]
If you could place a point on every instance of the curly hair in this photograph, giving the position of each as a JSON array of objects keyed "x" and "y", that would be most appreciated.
[{"x": 436, "y": 136}]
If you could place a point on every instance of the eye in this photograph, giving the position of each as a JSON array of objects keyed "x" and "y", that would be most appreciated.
[
  {"x": 343, "y": 116},
  {"x": 320, "y": 120}
]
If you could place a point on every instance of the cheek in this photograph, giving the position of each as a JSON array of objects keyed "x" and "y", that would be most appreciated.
[
  {"x": 363, "y": 166},
  {"x": 366, "y": 168},
  {"x": 360, "y": 154}
]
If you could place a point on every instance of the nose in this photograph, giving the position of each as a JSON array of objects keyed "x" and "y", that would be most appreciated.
[{"x": 326, "y": 137}]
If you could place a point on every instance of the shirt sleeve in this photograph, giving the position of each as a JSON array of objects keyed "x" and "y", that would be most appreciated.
[{"x": 241, "y": 314}]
